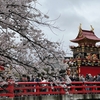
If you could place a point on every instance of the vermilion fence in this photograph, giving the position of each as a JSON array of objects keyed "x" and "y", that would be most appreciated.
[
  {"x": 48, "y": 88},
  {"x": 84, "y": 87}
]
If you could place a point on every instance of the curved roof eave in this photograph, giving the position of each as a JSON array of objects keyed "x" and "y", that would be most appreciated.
[
  {"x": 93, "y": 38},
  {"x": 79, "y": 39}
]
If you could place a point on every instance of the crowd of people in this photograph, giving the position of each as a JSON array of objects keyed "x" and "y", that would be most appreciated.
[{"x": 67, "y": 77}]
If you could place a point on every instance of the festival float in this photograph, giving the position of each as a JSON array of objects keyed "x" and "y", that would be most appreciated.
[{"x": 86, "y": 56}]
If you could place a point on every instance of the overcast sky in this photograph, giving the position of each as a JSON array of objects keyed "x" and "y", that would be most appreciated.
[{"x": 72, "y": 13}]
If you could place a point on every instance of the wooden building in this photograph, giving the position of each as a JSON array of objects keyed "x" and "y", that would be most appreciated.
[{"x": 86, "y": 56}]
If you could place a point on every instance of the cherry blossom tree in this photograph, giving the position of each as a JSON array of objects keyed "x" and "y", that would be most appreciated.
[{"x": 22, "y": 42}]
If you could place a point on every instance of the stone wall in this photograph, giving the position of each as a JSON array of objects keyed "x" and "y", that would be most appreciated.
[{"x": 57, "y": 97}]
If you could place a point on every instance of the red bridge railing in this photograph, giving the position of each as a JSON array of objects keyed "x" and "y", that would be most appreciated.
[{"x": 48, "y": 88}]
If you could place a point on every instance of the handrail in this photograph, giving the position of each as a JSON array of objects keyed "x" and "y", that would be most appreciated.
[
  {"x": 84, "y": 87},
  {"x": 49, "y": 88}
]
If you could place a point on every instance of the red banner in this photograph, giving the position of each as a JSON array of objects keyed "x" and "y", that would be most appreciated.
[{"x": 89, "y": 69}]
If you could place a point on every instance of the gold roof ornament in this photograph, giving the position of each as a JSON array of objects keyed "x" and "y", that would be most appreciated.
[
  {"x": 80, "y": 26},
  {"x": 80, "y": 29},
  {"x": 92, "y": 29}
]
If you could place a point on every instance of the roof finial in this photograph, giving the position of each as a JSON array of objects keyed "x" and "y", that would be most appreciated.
[
  {"x": 80, "y": 26},
  {"x": 92, "y": 29}
]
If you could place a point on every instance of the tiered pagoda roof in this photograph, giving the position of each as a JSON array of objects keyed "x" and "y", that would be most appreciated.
[
  {"x": 87, "y": 49},
  {"x": 86, "y": 34}
]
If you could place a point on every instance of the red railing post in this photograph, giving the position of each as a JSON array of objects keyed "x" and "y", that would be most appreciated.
[
  {"x": 62, "y": 90},
  {"x": 37, "y": 89},
  {"x": 11, "y": 90},
  {"x": 24, "y": 91},
  {"x": 83, "y": 88}
]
